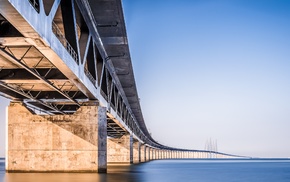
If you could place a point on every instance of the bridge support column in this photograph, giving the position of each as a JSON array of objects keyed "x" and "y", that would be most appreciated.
[
  {"x": 149, "y": 154},
  {"x": 58, "y": 143},
  {"x": 131, "y": 145},
  {"x": 153, "y": 154},
  {"x": 147, "y": 151},
  {"x": 120, "y": 150},
  {"x": 136, "y": 152},
  {"x": 142, "y": 153},
  {"x": 165, "y": 154}
]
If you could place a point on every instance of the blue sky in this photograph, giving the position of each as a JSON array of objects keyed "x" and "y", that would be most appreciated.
[{"x": 216, "y": 69}]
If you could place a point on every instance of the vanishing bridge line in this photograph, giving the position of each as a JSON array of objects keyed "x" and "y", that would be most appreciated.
[{"x": 66, "y": 66}]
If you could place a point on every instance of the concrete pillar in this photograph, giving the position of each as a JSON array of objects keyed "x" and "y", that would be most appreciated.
[
  {"x": 136, "y": 153},
  {"x": 149, "y": 153},
  {"x": 102, "y": 139},
  {"x": 145, "y": 153},
  {"x": 58, "y": 143},
  {"x": 141, "y": 152},
  {"x": 120, "y": 150},
  {"x": 158, "y": 154},
  {"x": 131, "y": 149},
  {"x": 165, "y": 154}
]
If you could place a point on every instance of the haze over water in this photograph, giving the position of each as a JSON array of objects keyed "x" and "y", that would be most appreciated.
[{"x": 171, "y": 171}]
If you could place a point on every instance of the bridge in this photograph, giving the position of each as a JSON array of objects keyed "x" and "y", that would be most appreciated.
[{"x": 66, "y": 66}]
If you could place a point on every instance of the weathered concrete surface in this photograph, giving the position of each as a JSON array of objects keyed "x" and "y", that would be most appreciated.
[
  {"x": 64, "y": 143},
  {"x": 147, "y": 153},
  {"x": 119, "y": 150},
  {"x": 142, "y": 153},
  {"x": 131, "y": 149},
  {"x": 136, "y": 152},
  {"x": 153, "y": 154}
]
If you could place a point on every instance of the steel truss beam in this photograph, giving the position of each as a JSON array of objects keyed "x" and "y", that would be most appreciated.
[
  {"x": 11, "y": 58},
  {"x": 21, "y": 92}
]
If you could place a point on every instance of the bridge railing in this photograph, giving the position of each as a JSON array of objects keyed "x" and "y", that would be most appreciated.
[{"x": 64, "y": 41}]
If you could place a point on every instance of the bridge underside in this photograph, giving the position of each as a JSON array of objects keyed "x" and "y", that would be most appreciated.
[
  {"x": 66, "y": 66},
  {"x": 28, "y": 75}
]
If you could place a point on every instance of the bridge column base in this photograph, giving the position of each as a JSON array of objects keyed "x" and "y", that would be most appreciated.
[
  {"x": 120, "y": 150},
  {"x": 58, "y": 143},
  {"x": 136, "y": 152}
]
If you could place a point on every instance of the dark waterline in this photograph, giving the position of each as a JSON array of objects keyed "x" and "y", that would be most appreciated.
[{"x": 171, "y": 171}]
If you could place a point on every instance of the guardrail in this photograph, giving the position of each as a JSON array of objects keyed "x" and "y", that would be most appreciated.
[{"x": 64, "y": 42}]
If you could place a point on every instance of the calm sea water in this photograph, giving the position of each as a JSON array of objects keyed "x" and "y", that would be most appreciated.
[{"x": 170, "y": 171}]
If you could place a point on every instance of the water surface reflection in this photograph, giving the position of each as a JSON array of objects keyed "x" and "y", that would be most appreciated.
[
  {"x": 170, "y": 171},
  {"x": 120, "y": 173}
]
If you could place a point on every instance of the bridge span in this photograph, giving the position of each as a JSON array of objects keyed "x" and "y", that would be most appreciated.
[{"x": 66, "y": 66}]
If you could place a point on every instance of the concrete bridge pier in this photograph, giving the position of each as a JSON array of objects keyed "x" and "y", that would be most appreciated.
[
  {"x": 56, "y": 143},
  {"x": 147, "y": 153},
  {"x": 120, "y": 150},
  {"x": 166, "y": 154},
  {"x": 136, "y": 151},
  {"x": 142, "y": 153},
  {"x": 191, "y": 155},
  {"x": 157, "y": 154},
  {"x": 153, "y": 154}
]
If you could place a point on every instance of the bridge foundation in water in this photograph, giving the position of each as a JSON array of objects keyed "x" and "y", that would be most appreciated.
[
  {"x": 120, "y": 150},
  {"x": 58, "y": 143}
]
